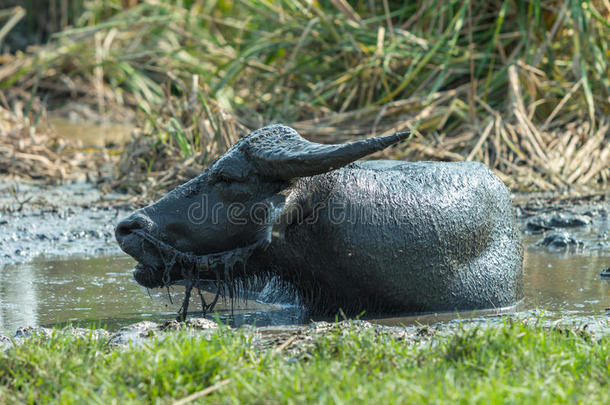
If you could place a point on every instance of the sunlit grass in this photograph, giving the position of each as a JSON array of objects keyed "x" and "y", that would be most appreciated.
[
  {"x": 510, "y": 363},
  {"x": 283, "y": 54}
]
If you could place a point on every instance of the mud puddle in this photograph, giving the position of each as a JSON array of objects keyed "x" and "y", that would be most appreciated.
[
  {"x": 59, "y": 265},
  {"x": 90, "y": 132},
  {"x": 101, "y": 291}
]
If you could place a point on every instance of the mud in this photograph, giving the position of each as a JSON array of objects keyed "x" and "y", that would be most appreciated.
[
  {"x": 39, "y": 220},
  {"x": 568, "y": 225},
  {"x": 297, "y": 340}
]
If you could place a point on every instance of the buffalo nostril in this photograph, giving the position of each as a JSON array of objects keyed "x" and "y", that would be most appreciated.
[
  {"x": 132, "y": 223},
  {"x": 124, "y": 228}
]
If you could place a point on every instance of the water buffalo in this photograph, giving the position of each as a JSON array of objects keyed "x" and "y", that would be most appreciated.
[{"x": 378, "y": 236}]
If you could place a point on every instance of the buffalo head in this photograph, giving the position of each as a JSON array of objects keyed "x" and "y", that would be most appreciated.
[{"x": 203, "y": 227}]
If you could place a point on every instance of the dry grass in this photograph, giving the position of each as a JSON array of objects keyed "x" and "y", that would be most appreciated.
[
  {"x": 522, "y": 86},
  {"x": 188, "y": 133},
  {"x": 565, "y": 151},
  {"x": 29, "y": 149}
]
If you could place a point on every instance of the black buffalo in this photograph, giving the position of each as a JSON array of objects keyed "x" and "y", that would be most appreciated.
[{"x": 377, "y": 236}]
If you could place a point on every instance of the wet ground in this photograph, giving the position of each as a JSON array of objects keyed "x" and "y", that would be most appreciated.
[
  {"x": 59, "y": 264},
  {"x": 38, "y": 221}
]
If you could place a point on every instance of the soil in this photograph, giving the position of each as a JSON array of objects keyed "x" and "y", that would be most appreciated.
[{"x": 74, "y": 218}]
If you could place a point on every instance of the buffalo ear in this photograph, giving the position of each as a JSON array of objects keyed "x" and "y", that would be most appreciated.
[
  {"x": 290, "y": 207},
  {"x": 280, "y": 208},
  {"x": 279, "y": 152},
  {"x": 283, "y": 212}
]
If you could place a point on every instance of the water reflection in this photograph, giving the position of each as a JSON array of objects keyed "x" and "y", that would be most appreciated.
[
  {"x": 18, "y": 302},
  {"x": 91, "y": 133},
  {"x": 567, "y": 282},
  {"x": 102, "y": 291}
]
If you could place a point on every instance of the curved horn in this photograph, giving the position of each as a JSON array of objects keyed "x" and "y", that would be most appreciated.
[{"x": 279, "y": 152}]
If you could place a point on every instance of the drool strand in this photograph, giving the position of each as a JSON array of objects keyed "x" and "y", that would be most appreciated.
[{"x": 192, "y": 265}]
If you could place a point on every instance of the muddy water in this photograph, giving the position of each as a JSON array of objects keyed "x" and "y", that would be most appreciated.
[
  {"x": 59, "y": 264},
  {"x": 102, "y": 291},
  {"x": 91, "y": 133},
  {"x": 567, "y": 281}
]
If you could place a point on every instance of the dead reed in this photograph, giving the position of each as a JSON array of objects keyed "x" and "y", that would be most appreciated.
[
  {"x": 520, "y": 85},
  {"x": 30, "y": 149}
]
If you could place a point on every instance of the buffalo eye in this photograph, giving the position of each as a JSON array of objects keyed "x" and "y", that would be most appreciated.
[
  {"x": 232, "y": 189},
  {"x": 223, "y": 179}
]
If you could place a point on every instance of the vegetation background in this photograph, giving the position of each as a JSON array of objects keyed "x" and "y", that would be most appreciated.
[{"x": 523, "y": 86}]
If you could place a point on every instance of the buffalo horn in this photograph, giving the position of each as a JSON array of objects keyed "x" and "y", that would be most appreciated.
[{"x": 279, "y": 152}]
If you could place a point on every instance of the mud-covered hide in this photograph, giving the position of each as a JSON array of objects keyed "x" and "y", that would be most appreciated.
[{"x": 376, "y": 236}]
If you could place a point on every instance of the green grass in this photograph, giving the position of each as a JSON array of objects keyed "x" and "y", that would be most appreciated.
[{"x": 511, "y": 363}]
